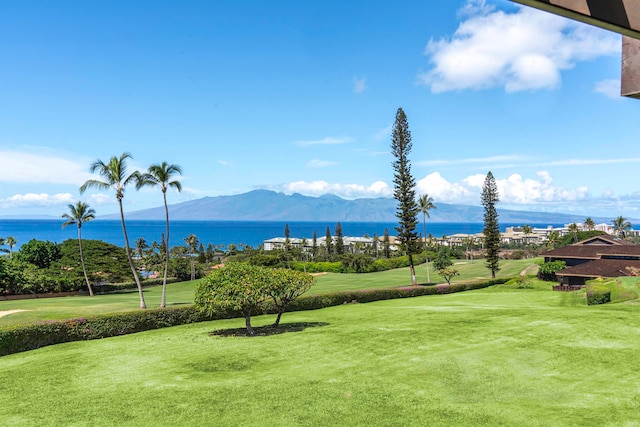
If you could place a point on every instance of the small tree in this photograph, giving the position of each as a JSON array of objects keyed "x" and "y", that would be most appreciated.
[
  {"x": 442, "y": 259},
  {"x": 284, "y": 286},
  {"x": 491, "y": 229},
  {"x": 235, "y": 287},
  {"x": 448, "y": 274}
]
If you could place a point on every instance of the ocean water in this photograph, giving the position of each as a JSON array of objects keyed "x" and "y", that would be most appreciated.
[{"x": 220, "y": 233}]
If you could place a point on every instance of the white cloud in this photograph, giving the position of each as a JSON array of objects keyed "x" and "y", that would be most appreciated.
[
  {"x": 36, "y": 200},
  {"x": 26, "y": 167},
  {"x": 609, "y": 88},
  {"x": 359, "y": 85},
  {"x": 514, "y": 189},
  {"x": 525, "y": 50},
  {"x": 348, "y": 191},
  {"x": 472, "y": 160},
  {"x": 101, "y": 199},
  {"x": 324, "y": 141},
  {"x": 384, "y": 133},
  {"x": 317, "y": 163}
]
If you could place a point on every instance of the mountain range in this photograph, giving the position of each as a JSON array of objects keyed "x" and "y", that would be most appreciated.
[{"x": 266, "y": 205}]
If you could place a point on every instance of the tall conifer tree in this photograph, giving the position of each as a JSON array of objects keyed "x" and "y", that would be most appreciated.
[
  {"x": 404, "y": 190},
  {"x": 491, "y": 229},
  {"x": 386, "y": 242},
  {"x": 328, "y": 242},
  {"x": 339, "y": 240}
]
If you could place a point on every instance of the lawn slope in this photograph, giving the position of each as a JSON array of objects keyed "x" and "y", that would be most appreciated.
[{"x": 497, "y": 356}]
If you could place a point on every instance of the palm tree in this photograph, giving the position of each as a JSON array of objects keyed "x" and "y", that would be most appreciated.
[
  {"x": 573, "y": 229},
  {"x": 78, "y": 215},
  {"x": 193, "y": 242},
  {"x": 552, "y": 239},
  {"x": 162, "y": 176},
  {"x": 621, "y": 225},
  {"x": 116, "y": 177},
  {"x": 589, "y": 224},
  {"x": 426, "y": 204},
  {"x": 141, "y": 249},
  {"x": 11, "y": 242}
]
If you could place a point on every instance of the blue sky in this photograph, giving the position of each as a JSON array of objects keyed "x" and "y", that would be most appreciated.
[{"x": 300, "y": 97}]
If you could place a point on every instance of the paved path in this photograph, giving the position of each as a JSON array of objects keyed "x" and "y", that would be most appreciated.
[
  {"x": 526, "y": 270},
  {"x": 8, "y": 312}
]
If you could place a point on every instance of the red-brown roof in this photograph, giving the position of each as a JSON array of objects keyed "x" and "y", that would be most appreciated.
[
  {"x": 596, "y": 247},
  {"x": 601, "y": 268}
]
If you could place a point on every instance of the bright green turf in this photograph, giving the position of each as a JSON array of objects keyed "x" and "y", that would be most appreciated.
[
  {"x": 182, "y": 293},
  {"x": 494, "y": 357}
]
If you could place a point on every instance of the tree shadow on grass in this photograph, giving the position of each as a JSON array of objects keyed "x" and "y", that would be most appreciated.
[{"x": 266, "y": 331}]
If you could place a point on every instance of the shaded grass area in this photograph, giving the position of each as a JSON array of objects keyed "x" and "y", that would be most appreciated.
[
  {"x": 494, "y": 357},
  {"x": 182, "y": 293}
]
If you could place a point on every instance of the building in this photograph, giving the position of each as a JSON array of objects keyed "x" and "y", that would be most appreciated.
[{"x": 599, "y": 256}]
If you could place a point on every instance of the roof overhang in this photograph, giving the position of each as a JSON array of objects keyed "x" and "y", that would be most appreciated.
[{"x": 620, "y": 16}]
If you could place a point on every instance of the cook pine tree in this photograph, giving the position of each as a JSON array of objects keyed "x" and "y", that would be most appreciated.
[
  {"x": 404, "y": 191},
  {"x": 491, "y": 229}
]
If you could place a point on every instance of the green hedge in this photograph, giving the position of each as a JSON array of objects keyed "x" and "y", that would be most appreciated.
[
  {"x": 598, "y": 294},
  {"x": 18, "y": 338},
  {"x": 358, "y": 263}
]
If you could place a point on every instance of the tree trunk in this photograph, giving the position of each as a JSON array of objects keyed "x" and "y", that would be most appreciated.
[
  {"x": 133, "y": 268},
  {"x": 84, "y": 269},
  {"x": 163, "y": 302},
  {"x": 277, "y": 322},
  {"x": 413, "y": 271},
  {"x": 247, "y": 319},
  {"x": 426, "y": 256}
]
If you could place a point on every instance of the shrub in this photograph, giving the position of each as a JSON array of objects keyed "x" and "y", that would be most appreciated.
[
  {"x": 548, "y": 270},
  {"x": 598, "y": 294}
]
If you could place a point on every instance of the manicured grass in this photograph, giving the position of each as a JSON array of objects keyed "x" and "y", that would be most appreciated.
[
  {"x": 77, "y": 306},
  {"x": 470, "y": 271},
  {"x": 497, "y": 356},
  {"x": 183, "y": 292}
]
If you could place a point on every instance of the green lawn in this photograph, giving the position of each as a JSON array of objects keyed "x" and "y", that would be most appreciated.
[
  {"x": 494, "y": 357},
  {"x": 182, "y": 293}
]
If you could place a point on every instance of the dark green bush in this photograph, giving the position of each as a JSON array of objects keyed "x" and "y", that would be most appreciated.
[
  {"x": 548, "y": 270},
  {"x": 598, "y": 294},
  {"x": 18, "y": 338}
]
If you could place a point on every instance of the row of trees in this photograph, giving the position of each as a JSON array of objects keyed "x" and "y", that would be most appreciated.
[
  {"x": 409, "y": 206},
  {"x": 116, "y": 176}
]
